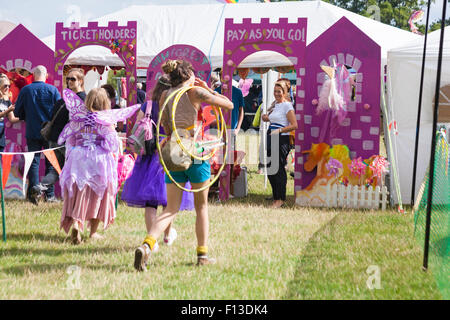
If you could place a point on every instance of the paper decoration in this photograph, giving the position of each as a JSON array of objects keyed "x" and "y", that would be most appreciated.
[
  {"x": 51, "y": 157},
  {"x": 6, "y": 167},
  {"x": 28, "y": 160},
  {"x": 416, "y": 16}
]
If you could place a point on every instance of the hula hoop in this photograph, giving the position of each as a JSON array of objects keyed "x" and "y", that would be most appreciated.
[
  {"x": 179, "y": 93},
  {"x": 177, "y": 136}
]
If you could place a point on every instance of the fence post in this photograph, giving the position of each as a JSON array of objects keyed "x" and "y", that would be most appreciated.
[
  {"x": 328, "y": 198},
  {"x": 362, "y": 202},
  {"x": 341, "y": 195},
  {"x": 355, "y": 196},
  {"x": 348, "y": 200},
  {"x": 370, "y": 198},
  {"x": 377, "y": 197},
  {"x": 384, "y": 198}
]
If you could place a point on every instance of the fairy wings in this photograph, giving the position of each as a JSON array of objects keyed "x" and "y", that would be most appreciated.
[{"x": 80, "y": 117}]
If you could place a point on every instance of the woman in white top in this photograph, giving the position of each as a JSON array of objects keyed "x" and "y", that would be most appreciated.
[{"x": 282, "y": 121}]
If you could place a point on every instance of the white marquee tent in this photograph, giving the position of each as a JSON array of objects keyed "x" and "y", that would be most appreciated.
[
  {"x": 404, "y": 71},
  {"x": 203, "y": 27}
]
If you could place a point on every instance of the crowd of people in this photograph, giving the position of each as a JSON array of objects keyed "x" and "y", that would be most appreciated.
[{"x": 86, "y": 144}]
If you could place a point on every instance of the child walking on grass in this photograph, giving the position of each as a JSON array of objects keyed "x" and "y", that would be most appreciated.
[{"x": 89, "y": 177}]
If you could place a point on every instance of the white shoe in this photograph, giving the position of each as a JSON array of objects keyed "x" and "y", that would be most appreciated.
[
  {"x": 171, "y": 238},
  {"x": 155, "y": 247}
]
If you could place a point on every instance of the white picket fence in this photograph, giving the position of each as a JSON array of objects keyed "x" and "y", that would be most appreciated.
[{"x": 356, "y": 197}]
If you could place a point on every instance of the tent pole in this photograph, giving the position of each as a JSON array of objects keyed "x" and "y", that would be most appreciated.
[
  {"x": 419, "y": 110},
  {"x": 433, "y": 140}
]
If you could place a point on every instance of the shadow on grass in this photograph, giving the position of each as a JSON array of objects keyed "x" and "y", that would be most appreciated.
[
  {"x": 88, "y": 250},
  {"x": 26, "y": 269},
  {"x": 309, "y": 263},
  {"x": 36, "y": 236}
]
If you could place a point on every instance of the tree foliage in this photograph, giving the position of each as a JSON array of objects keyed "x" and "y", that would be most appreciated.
[{"x": 393, "y": 12}]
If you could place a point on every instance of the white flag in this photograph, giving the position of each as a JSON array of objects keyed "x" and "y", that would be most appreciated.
[{"x": 28, "y": 160}]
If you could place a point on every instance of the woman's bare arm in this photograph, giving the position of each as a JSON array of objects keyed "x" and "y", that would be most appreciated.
[
  {"x": 292, "y": 122},
  {"x": 202, "y": 95}
]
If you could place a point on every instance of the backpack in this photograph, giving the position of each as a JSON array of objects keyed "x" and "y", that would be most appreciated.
[
  {"x": 142, "y": 140},
  {"x": 46, "y": 127}
]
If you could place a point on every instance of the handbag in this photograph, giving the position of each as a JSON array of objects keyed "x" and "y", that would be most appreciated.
[
  {"x": 47, "y": 126},
  {"x": 142, "y": 139},
  {"x": 174, "y": 157}
]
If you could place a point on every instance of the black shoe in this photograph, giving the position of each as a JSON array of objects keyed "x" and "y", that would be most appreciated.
[
  {"x": 33, "y": 200},
  {"x": 34, "y": 195}
]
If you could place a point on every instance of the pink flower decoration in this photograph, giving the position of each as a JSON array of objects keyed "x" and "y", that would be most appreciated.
[
  {"x": 333, "y": 167},
  {"x": 131, "y": 47},
  {"x": 367, "y": 106},
  {"x": 357, "y": 167},
  {"x": 379, "y": 166},
  {"x": 225, "y": 86},
  {"x": 230, "y": 63},
  {"x": 315, "y": 102},
  {"x": 226, "y": 78}
]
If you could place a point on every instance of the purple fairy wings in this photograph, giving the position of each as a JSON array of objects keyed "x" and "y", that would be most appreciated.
[{"x": 80, "y": 116}]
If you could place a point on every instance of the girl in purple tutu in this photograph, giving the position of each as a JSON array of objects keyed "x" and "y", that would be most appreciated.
[
  {"x": 89, "y": 177},
  {"x": 145, "y": 187}
]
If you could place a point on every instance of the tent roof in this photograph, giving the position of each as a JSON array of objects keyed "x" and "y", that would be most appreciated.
[
  {"x": 5, "y": 28},
  {"x": 203, "y": 27},
  {"x": 414, "y": 48}
]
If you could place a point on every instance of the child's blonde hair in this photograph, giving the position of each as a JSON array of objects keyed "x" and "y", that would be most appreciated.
[{"x": 97, "y": 100}]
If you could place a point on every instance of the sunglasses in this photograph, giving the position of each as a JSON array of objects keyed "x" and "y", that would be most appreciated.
[
  {"x": 71, "y": 79},
  {"x": 6, "y": 86}
]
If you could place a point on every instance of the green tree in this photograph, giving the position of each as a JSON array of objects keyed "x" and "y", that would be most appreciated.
[
  {"x": 393, "y": 12},
  {"x": 112, "y": 78},
  {"x": 437, "y": 25}
]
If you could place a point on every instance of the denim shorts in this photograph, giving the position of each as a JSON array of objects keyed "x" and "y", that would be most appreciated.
[{"x": 197, "y": 173}]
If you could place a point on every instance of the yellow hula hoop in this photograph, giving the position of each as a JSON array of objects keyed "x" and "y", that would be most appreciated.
[
  {"x": 158, "y": 145},
  {"x": 177, "y": 136}
]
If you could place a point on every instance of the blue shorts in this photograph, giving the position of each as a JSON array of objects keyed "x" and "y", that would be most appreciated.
[{"x": 197, "y": 173}]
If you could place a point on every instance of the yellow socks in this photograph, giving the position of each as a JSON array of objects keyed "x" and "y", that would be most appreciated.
[
  {"x": 150, "y": 241},
  {"x": 202, "y": 250}
]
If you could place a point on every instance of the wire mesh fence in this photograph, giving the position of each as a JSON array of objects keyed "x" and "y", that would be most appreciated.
[{"x": 439, "y": 245}]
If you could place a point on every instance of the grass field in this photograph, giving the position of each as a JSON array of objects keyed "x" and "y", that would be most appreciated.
[{"x": 292, "y": 253}]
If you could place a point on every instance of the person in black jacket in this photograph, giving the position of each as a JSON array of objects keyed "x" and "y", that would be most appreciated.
[{"x": 75, "y": 82}]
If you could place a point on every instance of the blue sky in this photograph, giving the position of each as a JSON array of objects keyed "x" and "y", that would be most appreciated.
[{"x": 40, "y": 16}]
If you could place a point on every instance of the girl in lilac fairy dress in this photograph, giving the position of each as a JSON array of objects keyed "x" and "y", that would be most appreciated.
[
  {"x": 89, "y": 177},
  {"x": 145, "y": 187}
]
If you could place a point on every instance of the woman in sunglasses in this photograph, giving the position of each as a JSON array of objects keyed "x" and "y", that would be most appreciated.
[
  {"x": 6, "y": 108},
  {"x": 74, "y": 82}
]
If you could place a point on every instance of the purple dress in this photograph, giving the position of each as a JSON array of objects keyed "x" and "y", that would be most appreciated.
[{"x": 145, "y": 187}]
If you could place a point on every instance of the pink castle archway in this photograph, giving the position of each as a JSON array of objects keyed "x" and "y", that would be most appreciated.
[
  {"x": 186, "y": 52},
  {"x": 120, "y": 39},
  {"x": 246, "y": 38},
  {"x": 21, "y": 49}
]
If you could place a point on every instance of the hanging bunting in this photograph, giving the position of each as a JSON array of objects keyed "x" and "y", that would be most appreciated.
[
  {"x": 243, "y": 72},
  {"x": 51, "y": 157},
  {"x": 6, "y": 167},
  {"x": 260, "y": 70},
  {"x": 28, "y": 160}
]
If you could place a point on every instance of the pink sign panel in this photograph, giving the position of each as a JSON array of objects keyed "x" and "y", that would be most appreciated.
[
  {"x": 21, "y": 49},
  {"x": 243, "y": 39},
  {"x": 121, "y": 40},
  {"x": 189, "y": 53},
  {"x": 360, "y": 130}
]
